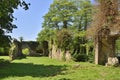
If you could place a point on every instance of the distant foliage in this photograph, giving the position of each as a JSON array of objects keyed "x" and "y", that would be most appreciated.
[{"x": 25, "y": 51}]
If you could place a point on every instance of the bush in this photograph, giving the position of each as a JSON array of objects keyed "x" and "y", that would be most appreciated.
[
  {"x": 91, "y": 58},
  {"x": 80, "y": 57},
  {"x": 25, "y": 51},
  {"x": 4, "y": 51},
  {"x": 1, "y": 50},
  {"x": 64, "y": 39}
]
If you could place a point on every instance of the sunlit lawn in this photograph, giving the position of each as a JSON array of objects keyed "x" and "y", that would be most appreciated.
[{"x": 43, "y": 68}]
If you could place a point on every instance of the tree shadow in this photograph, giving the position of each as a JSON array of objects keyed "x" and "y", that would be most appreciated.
[{"x": 29, "y": 69}]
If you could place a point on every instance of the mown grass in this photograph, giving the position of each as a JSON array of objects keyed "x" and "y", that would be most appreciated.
[{"x": 43, "y": 68}]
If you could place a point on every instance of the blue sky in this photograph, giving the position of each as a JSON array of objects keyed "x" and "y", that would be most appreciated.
[{"x": 30, "y": 22}]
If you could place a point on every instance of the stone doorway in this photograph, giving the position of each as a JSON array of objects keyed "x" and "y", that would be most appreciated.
[{"x": 105, "y": 47}]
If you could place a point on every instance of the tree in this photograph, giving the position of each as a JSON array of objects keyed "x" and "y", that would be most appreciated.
[
  {"x": 45, "y": 35},
  {"x": 7, "y": 8},
  {"x": 60, "y": 14},
  {"x": 83, "y": 15},
  {"x": 82, "y": 20},
  {"x": 63, "y": 24},
  {"x": 44, "y": 39}
]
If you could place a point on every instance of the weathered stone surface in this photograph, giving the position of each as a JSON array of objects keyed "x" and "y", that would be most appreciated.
[
  {"x": 58, "y": 54},
  {"x": 32, "y": 46},
  {"x": 68, "y": 56},
  {"x": 112, "y": 61},
  {"x": 104, "y": 47},
  {"x": 16, "y": 50}
]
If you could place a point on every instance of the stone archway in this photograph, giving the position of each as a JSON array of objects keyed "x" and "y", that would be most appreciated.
[
  {"x": 105, "y": 47},
  {"x": 16, "y": 50},
  {"x": 32, "y": 46},
  {"x": 105, "y": 30}
]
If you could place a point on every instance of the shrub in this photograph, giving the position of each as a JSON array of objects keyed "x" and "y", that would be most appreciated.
[
  {"x": 64, "y": 39},
  {"x": 4, "y": 51},
  {"x": 80, "y": 57},
  {"x": 1, "y": 50},
  {"x": 91, "y": 58},
  {"x": 25, "y": 51}
]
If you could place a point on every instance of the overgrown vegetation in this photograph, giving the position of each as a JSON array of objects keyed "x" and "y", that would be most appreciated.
[
  {"x": 63, "y": 37},
  {"x": 64, "y": 28},
  {"x": 105, "y": 29}
]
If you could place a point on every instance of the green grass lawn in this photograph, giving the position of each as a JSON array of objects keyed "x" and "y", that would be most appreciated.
[{"x": 43, "y": 68}]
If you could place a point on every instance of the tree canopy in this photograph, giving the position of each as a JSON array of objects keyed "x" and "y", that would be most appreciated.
[
  {"x": 7, "y": 8},
  {"x": 65, "y": 25},
  {"x": 60, "y": 14}
]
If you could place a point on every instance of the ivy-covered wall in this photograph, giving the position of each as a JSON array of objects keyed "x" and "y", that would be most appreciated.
[{"x": 33, "y": 48}]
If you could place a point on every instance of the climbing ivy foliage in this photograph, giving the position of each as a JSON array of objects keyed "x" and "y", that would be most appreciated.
[
  {"x": 64, "y": 37},
  {"x": 7, "y": 8},
  {"x": 106, "y": 16},
  {"x": 65, "y": 25}
]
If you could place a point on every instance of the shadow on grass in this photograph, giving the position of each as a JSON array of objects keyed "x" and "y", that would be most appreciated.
[{"x": 29, "y": 69}]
